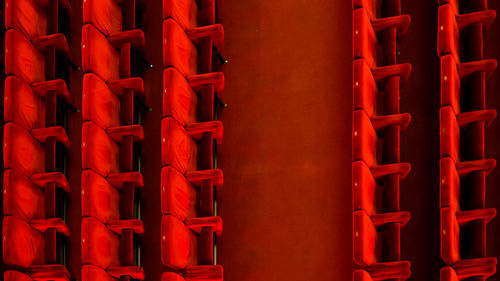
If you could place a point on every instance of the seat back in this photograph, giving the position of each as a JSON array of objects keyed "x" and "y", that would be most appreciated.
[
  {"x": 22, "y": 105},
  {"x": 22, "y": 59},
  {"x": 12, "y": 275},
  {"x": 364, "y": 239},
  {"x": 99, "y": 104},
  {"x": 98, "y": 55},
  {"x": 22, "y": 152},
  {"x": 178, "y": 196},
  {"x": 105, "y": 15},
  {"x": 27, "y": 17},
  {"x": 100, "y": 246},
  {"x": 23, "y": 246},
  {"x": 21, "y": 197},
  {"x": 184, "y": 12},
  {"x": 178, "y": 244},
  {"x": 99, "y": 152},
  {"x": 179, "y": 99},
  {"x": 179, "y": 149},
  {"x": 450, "y": 236},
  {"x": 364, "y": 139},
  {"x": 100, "y": 199},
  {"x": 178, "y": 50},
  {"x": 363, "y": 188}
]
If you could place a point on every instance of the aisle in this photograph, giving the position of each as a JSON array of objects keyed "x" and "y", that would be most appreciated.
[{"x": 286, "y": 154}]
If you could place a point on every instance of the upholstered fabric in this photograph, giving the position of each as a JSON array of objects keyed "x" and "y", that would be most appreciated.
[
  {"x": 22, "y": 59},
  {"x": 26, "y": 16},
  {"x": 100, "y": 199},
  {"x": 22, "y": 151},
  {"x": 22, "y": 245},
  {"x": 99, "y": 152},
  {"x": 179, "y": 149},
  {"x": 21, "y": 197},
  {"x": 179, "y": 99},
  {"x": 105, "y": 15},
  {"x": 100, "y": 246},
  {"x": 178, "y": 196},
  {"x": 99, "y": 104},
  {"x": 98, "y": 55}
]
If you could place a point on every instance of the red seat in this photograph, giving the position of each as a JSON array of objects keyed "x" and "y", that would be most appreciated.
[
  {"x": 179, "y": 148},
  {"x": 99, "y": 198},
  {"x": 105, "y": 15},
  {"x": 179, "y": 239},
  {"x": 188, "y": 14},
  {"x": 470, "y": 268},
  {"x": 101, "y": 242},
  {"x": 22, "y": 105},
  {"x": 100, "y": 152},
  {"x": 39, "y": 273},
  {"x": 196, "y": 273},
  {"x": 21, "y": 197},
  {"x": 365, "y": 236},
  {"x": 24, "y": 244},
  {"x": 94, "y": 273},
  {"x": 384, "y": 271},
  {"x": 180, "y": 98},
  {"x": 22, "y": 151},
  {"x": 99, "y": 104},
  {"x": 180, "y": 49},
  {"x": 100, "y": 54}
]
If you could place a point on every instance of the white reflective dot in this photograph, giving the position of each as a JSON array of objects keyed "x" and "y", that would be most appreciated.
[
  {"x": 83, "y": 143},
  {"x": 165, "y": 90},
  {"x": 163, "y": 139},
  {"x": 4, "y": 238},
  {"x": 441, "y": 27},
  {"x": 356, "y": 32},
  {"x": 83, "y": 240},
  {"x": 444, "y": 231},
  {"x": 83, "y": 191},
  {"x": 356, "y": 84},
  {"x": 445, "y": 78},
  {"x": 5, "y": 191},
  {"x": 163, "y": 237},
  {"x": 356, "y": 234},
  {"x": 442, "y": 181},
  {"x": 444, "y": 130},
  {"x": 355, "y": 133},
  {"x": 355, "y": 184},
  {"x": 83, "y": 46},
  {"x": 5, "y": 98},
  {"x": 163, "y": 188}
]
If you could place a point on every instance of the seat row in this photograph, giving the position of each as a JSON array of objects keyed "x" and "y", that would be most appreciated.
[
  {"x": 113, "y": 49},
  {"x": 377, "y": 125},
  {"x": 191, "y": 44},
  {"x": 463, "y": 118},
  {"x": 36, "y": 101}
]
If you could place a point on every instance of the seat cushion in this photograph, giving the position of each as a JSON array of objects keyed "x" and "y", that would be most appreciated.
[
  {"x": 21, "y": 197},
  {"x": 21, "y": 151},
  {"x": 16, "y": 276},
  {"x": 99, "y": 104},
  {"x": 106, "y": 15},
  {"x": 98, "y": 55},
  {"x": 179, "y": 149},
  {"x": 179, "y": 99},
  {"x": 94, "y": 273},
  {"x": 100, "y": 246},
  {"x": 178, "y": 196},
  {"x": 22, "y": 245},
  {"x": 99, "y": 152},
  {"x": 27, "y": 17},
  {"x": 178, "y": 244},
  {"x": 178, "y": 50},
  {"x": 99, "y": 198},
  {"x": 22, "y": 105},
  {"x": 22, "y": 59}
]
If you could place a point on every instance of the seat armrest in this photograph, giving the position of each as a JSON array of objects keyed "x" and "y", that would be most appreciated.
[
  {"x": 396, "y": 217},
  {"x": 58, "y": 40},
  {"x": 467, "y": 68},
  {"x": 135, "y": 83},
  {"x": 466, "y": 167},
  {"x": 204, "y": 272},
  {"x": 135, "y": 272},
  {"x": 117, "y": 226},
  {"x": 215, "y": 128},
  {"x": 401, "y": 23},
  {"x": 214, "y": 78},
  {"x": 58, "y": 85},
  {"x": 117, "y": 133},
  {"x": 118, "y": 180},
  {"x": 464, "y": 217},
  {"x": 197, "y": 177},
  {"x": 197, "y": 224},
  {"x": 134, "y": 37},
  {"x": 485, "y": 17},
  {"x": 43, "y": 224},
  {"x": 401, "y": 169},
  {"x": 41, "y": 134},
  {"x": 54, "y": 177},
  {"x": 56, "y": 272},
  {"x": 382, "y": 73},
  {"x": 487, "y": 115},
  {"x": 214, "y": 32},
  {"x": 382, "y": 121}
]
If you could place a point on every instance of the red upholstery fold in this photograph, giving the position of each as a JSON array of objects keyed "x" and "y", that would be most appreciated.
[
  {"x": 401, "y": 23},
  {"x": 23, "y": 245},
  {"x": 43, "y": 224},
  {"x": 134, "y": 37},
  {"x": 135, "y": 83},
  {"x": 214, "y": 128},
  {"x": 196, "y": 224},
  {"x": 99, "y": 152},
  {"x": 117, "y": 226},
  {"x": 118, "y": 180},
  {"x": 364, "y": 39},
  {"x": 135, "y": 272},
  {"x": 382, "y": 121},
  {"x": 22, "y": 59},
  {"x": 214, "y": 78},
  {"x": 21, "y": 151},
  {"x": 178, "y": 148},
  {"x": 401, "y": 218},
  {"x": 197, "y": 177},
  {"x": 41, "y": 134},
  {"x": 178, "y": 196},
  {"x": 105, "y": 15},
  {"x": 99, "y": 104},
  {"x": 214, "y": 32},
  {"x": 401, "y": 169},
  {"x": 98, "y": 55},
  {"x": 26, "y": 16},
  {"x": 178, "y": 247},
  {"x": 57, "y": 85},
  {"x": 118, "y": 133},
  {"x": 100, "y": 246},
  {"x": 179, "y": 99},
  {"x": 53, "y": 177},
  {"x": 178, "y": 50},
  {"x": 99, "y": 198},
  {"x": 21, "y": 197},
  {"x": 56, "y": 40},
  {"x": 49, "y": 272}
]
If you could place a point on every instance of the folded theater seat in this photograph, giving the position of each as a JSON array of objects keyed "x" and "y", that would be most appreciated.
[
  {"x": 369, "y": 79},
  {"x": 186, "y": 50},
  {"x": 365, "y": 250},
  {"x": 26, "y": 60},
  {"x": 39, "y": 273},
  {"x": 181, "y": 248},
  {"x": 101, "y": 151},
  {"x": 451, "y": 25},
  {"x": 30, "y": 16},
  {"x": 180, "y": 196},
  {"x": 25, "y": 152},
  {"x": 107, "y": 15},
  {"x": 366, "y": 29},
  {"x": 196, "y": 273},
  {"x": 453, "y": 74},
  {"x": 192, "y": 100},
  {"x": 110, "y": 246},
  {"x": 179, "y": 144},
  {"x": 188, "y": 14},
  {"x": 101, "y": 53},
  {"x": 94, "y": 273},
  {"x": 32, "y": 245}
]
